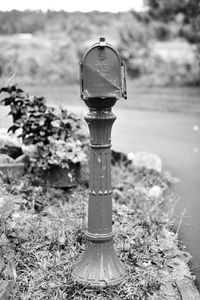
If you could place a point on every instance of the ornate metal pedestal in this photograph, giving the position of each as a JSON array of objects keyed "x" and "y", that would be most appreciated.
[
  {"x": 102, "y": 74},
  {"x": 99, "y": 265}
]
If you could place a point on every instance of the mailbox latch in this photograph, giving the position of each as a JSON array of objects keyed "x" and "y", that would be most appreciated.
[{"x": 102, "y": 42}]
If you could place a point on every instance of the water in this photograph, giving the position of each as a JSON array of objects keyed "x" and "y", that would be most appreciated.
[{"x": 176, "y": 139}]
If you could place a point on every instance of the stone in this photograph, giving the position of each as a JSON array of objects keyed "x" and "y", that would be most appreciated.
[
  {"x": 155, "y": 192},
  {"x": 9, "y": 144},
  {"x": 11, "y": 151},
  {"x": 118, "y": 158},
  {"x": 131, "y": 156},
  {"x": 9, "y": 140},
  {"x": 147, "y": 160},
  {"x": 5, "y": 159},
  {"x": 173, "y": 180}
]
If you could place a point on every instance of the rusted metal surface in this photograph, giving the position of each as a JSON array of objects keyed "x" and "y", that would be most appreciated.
[
  {"x": 102, "y": 73},
  {"x": 101, "y": 86},
  {"x": 99, "y": 266}
]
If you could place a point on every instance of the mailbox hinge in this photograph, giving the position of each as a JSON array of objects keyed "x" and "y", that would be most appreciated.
[
  {"x": 81, "y": 80},
  {"x": 123, "y": 70}
]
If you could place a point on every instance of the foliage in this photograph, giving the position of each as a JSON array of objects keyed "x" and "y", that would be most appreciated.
[
  {"x": 61, "y": 153},
  {"x": 187, "y": 12},
  {"x": 57, "y": 134},
  {"x": 47, "y": 46}
]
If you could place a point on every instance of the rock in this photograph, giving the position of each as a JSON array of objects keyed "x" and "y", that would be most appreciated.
[
  {"x": 173, "y": 180},
  {"x": 131, "y": 156},
  {"x": 12, "y": 151},
  {"x": 155, "y": 192},
  {"x": 9, "y": 144},
  {"x": 118, "y": 158},
  {"x": 5, "y": 159},
  {"x": 30, "y": 150},
  {"x": 9, "y": 140},
  {"x": 147, "y": 160}
]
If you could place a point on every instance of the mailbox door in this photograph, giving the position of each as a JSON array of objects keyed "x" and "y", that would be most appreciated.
[{"x": 101, "y": 73}]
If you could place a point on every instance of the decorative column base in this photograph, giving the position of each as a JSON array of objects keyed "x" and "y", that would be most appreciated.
[{"x": 99, "y": 265}]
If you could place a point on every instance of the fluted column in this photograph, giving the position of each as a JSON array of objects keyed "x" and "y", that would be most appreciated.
[
  {"x": 100, "y": 198},
  {"x": 99, "y": 265}
]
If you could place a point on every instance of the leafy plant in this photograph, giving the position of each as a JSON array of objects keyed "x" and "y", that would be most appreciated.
[{"x": 56, "y": 133}]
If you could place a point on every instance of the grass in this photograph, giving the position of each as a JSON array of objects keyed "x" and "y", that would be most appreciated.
[{"x": 43, "y": 235}]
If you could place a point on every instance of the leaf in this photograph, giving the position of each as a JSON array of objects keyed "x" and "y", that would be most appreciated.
[
  {"x": 8, "y": 89},
  {"x": 13, "y": 128},
  {"x": 18, "y": 90},
  {"x": 55, "y": 123},
  {"x": 42, "y": 122},
  {"x": 7, "y": 101},
  {"x": 29, "y": 140},
  {"x": 36, "y": 114},
  {"x": 17, "y": 116},
  {"x": 4, "y": 89}
]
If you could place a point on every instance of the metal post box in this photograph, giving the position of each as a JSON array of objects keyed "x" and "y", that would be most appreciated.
[
  {"x": 102, "y": 75},
  {"x": 102, "y": 84}
]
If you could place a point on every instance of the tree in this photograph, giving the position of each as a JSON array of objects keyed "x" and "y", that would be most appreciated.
[{"x": 168, "y": 10}]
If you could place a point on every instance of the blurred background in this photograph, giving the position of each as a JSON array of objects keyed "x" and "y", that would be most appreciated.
[{"x": 42, "y": 43}]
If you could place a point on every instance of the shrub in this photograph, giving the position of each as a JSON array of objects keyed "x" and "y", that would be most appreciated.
[{"x": 56, "y": 133}]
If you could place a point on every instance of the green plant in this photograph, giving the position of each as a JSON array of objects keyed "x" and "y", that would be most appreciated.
[
  {"x": 56, "y": 133},
  {"x": 46, "y": 235}
]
